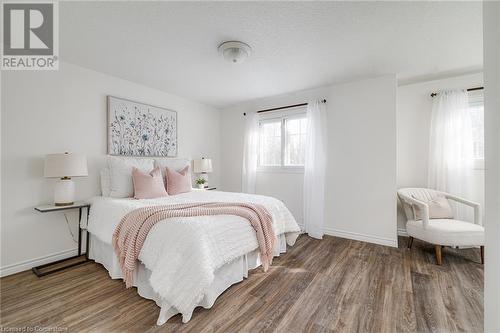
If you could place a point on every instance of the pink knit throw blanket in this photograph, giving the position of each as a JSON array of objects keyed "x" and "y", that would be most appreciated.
[{"x": 131, "y": 232}]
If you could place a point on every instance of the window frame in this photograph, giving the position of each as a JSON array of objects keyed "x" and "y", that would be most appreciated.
[{"x": 293, "y": 113}]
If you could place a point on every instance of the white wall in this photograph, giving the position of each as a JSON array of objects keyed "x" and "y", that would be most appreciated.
[
  {"x": 361, "y": 182},
  {"x": 492, "y": 143},
  {"x": 55, "y": 111},
  {"x": 413, "y": 127}
]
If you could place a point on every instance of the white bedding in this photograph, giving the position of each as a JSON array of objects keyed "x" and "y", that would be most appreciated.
[{"x": 183, "y": 254}]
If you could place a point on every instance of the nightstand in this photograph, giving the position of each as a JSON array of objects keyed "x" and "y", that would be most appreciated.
[
  {"x": 210, "y": 188},
  {"x": 51, "y": 208}
]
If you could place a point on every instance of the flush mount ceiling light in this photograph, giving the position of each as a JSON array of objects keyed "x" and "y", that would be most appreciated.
[{"x": 234, "y": 51}]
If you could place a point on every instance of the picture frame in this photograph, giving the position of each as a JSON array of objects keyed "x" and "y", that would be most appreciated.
[{"x": 139, "y": 129}]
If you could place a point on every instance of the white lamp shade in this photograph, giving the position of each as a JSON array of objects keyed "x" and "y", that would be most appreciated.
[
  {"x": 203, "y": 165},
  {"x": 65, "y": 165}
]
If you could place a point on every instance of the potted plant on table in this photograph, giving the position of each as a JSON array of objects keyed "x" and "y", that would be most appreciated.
[{"x": 200, "y": 182}]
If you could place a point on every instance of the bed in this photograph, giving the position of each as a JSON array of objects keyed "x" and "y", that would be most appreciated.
[{"x": 188, "y": 261}]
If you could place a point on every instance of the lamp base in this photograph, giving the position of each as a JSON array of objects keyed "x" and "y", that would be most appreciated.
[{"x": 64, "y": 192}]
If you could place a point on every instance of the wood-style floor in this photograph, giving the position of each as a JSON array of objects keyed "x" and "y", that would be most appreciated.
[{"x": 332, "y": 285}]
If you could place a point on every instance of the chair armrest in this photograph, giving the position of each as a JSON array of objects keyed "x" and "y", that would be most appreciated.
[
  {"x": 424, "y": 208},
  {"x": 475, "y": 205}
]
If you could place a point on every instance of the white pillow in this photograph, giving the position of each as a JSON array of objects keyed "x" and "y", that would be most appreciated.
[
  {"x": 439, "y": 208},
  {"x": 173, "y": 163},
  {"x": 120, "y": 174},
  {"x": 105, "y": 182}
]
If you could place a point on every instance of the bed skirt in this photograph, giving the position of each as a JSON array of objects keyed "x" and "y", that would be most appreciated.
[{"x": 227, "y": 275}]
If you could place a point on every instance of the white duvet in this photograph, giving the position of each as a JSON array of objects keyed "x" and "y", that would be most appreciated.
[{"x": 184, "y": 253}]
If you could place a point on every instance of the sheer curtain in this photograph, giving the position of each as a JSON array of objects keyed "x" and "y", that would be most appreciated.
[
  {"x": 451, "y": 156},
  {"x": 315, "y": 169},
  {"x": 250, "y": 151}
]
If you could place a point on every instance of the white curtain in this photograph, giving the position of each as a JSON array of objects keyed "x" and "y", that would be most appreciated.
[
  {"x": 451, "y": 156},
  {"x": 315, "y": 169},
  {"x": 250, "y": 150}
]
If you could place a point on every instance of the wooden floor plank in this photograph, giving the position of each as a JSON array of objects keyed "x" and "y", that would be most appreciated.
[
  {"x": 430, "y": 310},
  {"x": 329, "y": 285}
]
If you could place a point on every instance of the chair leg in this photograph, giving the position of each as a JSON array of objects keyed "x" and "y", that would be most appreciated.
[
  {"x": 410, "y": 242},
  {"x": 438, "y": 254},
  {"x": 482, "y": 255}
]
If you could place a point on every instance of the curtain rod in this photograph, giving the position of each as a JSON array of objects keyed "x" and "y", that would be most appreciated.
[
  {"x": 284, "y": 107},
  {"x": 470, "y": 89}
]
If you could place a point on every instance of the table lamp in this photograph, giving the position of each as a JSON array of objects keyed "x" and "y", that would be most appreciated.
[
  {"x": 203, "y": 166},
  {"x": 65, "y": 166}
]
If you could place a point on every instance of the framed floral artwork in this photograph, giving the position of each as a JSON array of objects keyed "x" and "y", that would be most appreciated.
[{"x": 137, "y": 129}]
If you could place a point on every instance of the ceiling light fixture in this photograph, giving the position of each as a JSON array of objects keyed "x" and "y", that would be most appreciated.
[{"x": 234, "y": 51}]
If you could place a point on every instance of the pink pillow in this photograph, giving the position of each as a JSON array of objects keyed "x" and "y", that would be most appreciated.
[
  {"x": 178, "y": 181},
  {"x": 148, "y": 186}
]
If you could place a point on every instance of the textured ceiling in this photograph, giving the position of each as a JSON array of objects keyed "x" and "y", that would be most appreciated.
[{"x": 172, "y": 46}]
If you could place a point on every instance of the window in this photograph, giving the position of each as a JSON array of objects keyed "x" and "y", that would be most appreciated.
[
  {"x": 295, "y": 141},
  {"x": 270, "y": 143},
  {"x": 282, "y": 141},
  {"x": 476, "y": 108}
]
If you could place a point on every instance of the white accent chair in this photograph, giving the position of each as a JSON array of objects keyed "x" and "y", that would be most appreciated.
[{"x": 440, "y": 232}]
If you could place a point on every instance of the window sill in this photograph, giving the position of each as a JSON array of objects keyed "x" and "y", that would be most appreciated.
[{"x": 299, "y": 170}]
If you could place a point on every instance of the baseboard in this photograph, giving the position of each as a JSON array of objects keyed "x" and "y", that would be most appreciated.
[
  {"x": 28, "y": 264},
  {"x": 402, "y": 232},
  {"x": 361, "y": 237}
]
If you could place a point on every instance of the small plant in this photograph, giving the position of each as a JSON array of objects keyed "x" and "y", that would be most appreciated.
[{"x": 200, "y": 181}]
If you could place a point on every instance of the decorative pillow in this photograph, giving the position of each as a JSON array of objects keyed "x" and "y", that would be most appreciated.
[
  {"x": 439, "y": 208},
  {"x": 148, "y": 186},
  {"x": 178, "y": 181},
  {"x": 173, "y": 163},
  {"x": 120, "y": 174}
]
